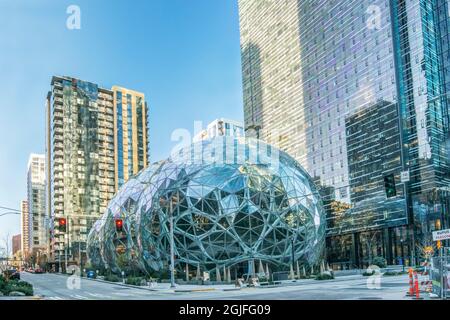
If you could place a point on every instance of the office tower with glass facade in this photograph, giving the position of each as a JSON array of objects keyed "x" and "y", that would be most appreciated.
[
  {"x": 26, "y": 228},
  {"x": 131, "y": 128},
  {"x": 220, "y": 128},
  {"x": 83, "y": 136},
  {"x": 356, "y": 91},
  {"x": 36, "y": 202}
]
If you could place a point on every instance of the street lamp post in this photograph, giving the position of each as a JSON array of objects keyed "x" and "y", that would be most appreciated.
[
  {"x": 65, "y": 250},
  {"x": 292, "y": 251},
  {"x": 172, "y": 257},
  {"x": 171, "y": 238},
  {"x": 403, "y": 255}
]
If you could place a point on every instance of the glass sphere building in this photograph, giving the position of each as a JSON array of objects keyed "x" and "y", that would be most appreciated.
[{"x": 232, "y": 201}]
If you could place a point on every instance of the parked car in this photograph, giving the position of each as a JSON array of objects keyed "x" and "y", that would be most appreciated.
[
  {"x": 38, "y": 270},
  {"x": 12, "y": 274}
]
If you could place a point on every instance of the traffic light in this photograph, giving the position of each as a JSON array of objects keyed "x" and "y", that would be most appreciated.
[
  {"x": 119, "y": 225},
  {"x": 62, "y": 224},
  {"x": 439, "y": 244},
  {"x": 389, "y": 186}
]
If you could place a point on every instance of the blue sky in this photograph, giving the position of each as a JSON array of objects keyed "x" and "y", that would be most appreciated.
[{"x": 183, "y": 54}]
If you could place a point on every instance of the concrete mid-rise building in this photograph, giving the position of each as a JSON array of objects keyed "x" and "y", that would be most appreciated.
[
  {"x": 16, "y": 243},
  {"x": 220, "y": 127}
]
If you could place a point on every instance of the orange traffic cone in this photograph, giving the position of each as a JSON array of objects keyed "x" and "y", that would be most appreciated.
[
  {"x": 411, "y": 283},
  {"x": 416, "y": 285}
]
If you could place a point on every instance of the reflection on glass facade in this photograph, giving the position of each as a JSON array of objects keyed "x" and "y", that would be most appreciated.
[
  {"x": 356, "y": 90},
  {"x": 227, "y": 214}
]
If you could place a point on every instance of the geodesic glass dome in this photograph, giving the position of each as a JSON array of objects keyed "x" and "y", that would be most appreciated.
[{"x": 232, "y": 200}]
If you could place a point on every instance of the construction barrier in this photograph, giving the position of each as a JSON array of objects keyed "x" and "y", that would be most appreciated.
[
  {"x": 440, "y": 275},
  {"x": 426, "y": 286}
]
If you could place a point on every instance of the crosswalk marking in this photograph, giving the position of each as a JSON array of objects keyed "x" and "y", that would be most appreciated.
[
  {"x": 97, "y": 295},
  {"x": 77, "y": 296},
  {"x": 121, "y": 294}
]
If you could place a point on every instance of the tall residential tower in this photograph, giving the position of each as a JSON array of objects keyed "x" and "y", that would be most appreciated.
[
  {"x": 88, "y": 130},
  {"x": 26, "y": 228},
  {"x": 131, "y": 134},
  {"x": 36, "y": 202}
]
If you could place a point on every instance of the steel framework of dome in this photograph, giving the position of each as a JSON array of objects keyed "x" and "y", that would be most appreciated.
[{"x": 232, "y": 201}]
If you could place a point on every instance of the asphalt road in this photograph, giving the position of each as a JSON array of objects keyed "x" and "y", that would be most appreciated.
[{"x": 57, "y": 287}]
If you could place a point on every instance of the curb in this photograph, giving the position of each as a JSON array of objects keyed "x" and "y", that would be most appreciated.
[
  {"x": 124, "y": 284},
  {"x": 115, "y": 283},
  {"x": 194, "y": 290}
]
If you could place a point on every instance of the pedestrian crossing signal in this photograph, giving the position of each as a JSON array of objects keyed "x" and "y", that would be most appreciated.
[
  {"x": 389, "y": 185},
  {"x": 119, "y": 225},
  {"x": 62, "y": 224}
]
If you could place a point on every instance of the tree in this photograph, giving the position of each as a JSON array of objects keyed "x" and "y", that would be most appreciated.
[
  {"x": 7, "y": 244},
  {"x": 372, "y": 241}
]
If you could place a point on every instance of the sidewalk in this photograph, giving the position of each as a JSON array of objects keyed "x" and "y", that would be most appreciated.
[
  {"x": 183, "y": 288},
  {"x": 165, "y": 287}
]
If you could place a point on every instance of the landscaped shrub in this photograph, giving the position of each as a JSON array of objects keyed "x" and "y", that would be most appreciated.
[
  {"x": 135, "y": 281},
  {"x": 324, "y": 276},
  {"x": 380, "y": 262},
  {"x": 2, "y": 284},
  {"x": 13, "y": 285},
  {"x": 112, "y": 278}
]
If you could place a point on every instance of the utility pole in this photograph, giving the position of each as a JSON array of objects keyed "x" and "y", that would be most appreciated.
[
  {"x": 172, "y": 254},
  {"x": 65, "y": 251},
  {"x": 441, "y": 258},
  {"x": 66, "y": 244},
  {"x": 79, "y": 256}
]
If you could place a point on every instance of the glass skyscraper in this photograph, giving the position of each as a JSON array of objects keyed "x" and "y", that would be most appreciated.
[
  {"x": 356, "y": 91},
  {"x": 85, "y": 130}
]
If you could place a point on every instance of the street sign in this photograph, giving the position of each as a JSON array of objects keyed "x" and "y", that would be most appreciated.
[
  {"x": 404, "y": 176},
  {"x": 441, "y": 235}
]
